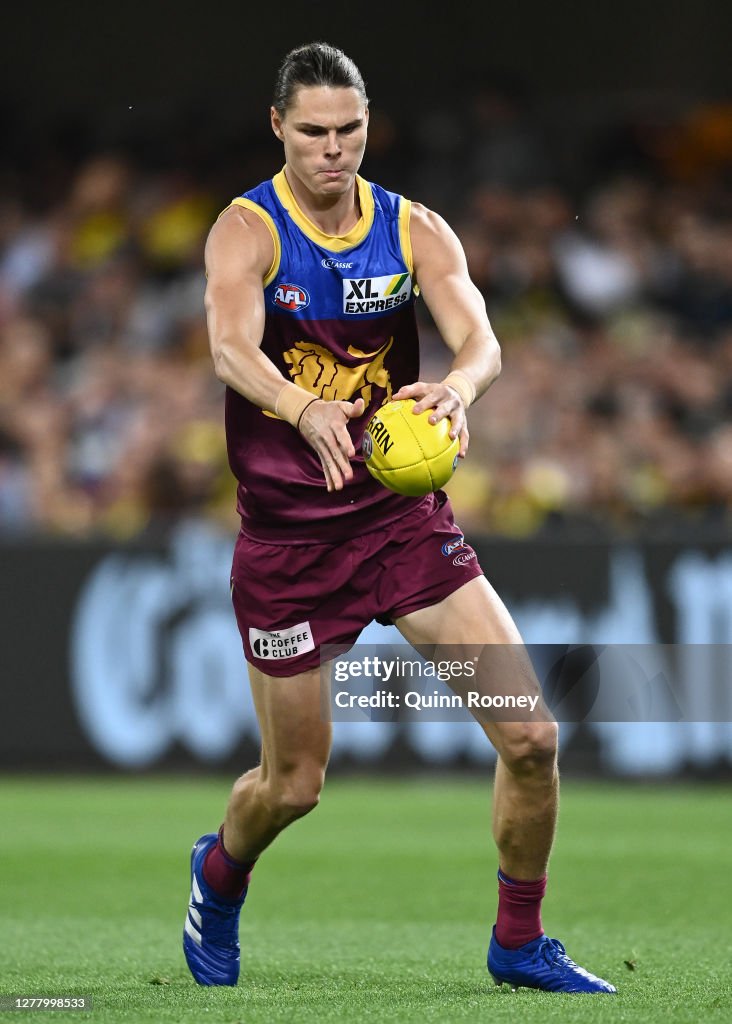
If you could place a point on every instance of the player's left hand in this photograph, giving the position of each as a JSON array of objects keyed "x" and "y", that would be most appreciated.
[
  {"x": 445, "y": 402},
  {"x": 323, "y": 424}
]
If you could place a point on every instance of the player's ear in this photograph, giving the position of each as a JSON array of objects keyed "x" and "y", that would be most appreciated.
[{"x": 276, "y": 121}]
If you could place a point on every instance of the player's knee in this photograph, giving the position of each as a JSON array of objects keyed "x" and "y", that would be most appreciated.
[{"x": 531, "y": 750}]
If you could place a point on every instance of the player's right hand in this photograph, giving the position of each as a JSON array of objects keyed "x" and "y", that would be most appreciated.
[
  {"x": 445, "y": 403},
  {"x": 324, "y": 425}
]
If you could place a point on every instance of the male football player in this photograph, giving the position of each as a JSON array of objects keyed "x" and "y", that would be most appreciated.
[{"x": 312, "y": 279}]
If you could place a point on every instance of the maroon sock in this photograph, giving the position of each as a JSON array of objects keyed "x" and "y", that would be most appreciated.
[
  {"x": 519, "y": 911},
  {"x": 226, "y": 876}
]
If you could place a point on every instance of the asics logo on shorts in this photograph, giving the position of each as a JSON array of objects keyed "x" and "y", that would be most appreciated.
[{"x": 281, "y": 643}]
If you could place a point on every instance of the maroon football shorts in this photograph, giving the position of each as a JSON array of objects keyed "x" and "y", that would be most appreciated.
[{"x": 290, "y": 599}]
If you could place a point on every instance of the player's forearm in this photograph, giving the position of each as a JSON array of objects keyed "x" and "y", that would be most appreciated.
[
  {"x": 476, "y": 365},
  {"x": 252, "y": 374},
  {"x": 248, "y": 371}
]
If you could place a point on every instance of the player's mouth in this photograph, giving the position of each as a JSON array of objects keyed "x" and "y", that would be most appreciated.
[{"x": 332, "y": 173}]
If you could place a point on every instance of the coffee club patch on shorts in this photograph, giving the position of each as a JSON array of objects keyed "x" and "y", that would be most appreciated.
[{"x": 281, "y": 643}]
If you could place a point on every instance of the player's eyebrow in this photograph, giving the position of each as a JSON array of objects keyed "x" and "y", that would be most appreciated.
[{"x": 306, "y": 126}]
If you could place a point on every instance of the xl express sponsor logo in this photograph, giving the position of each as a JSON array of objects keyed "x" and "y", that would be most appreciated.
[{"x": 375, "y": 294}]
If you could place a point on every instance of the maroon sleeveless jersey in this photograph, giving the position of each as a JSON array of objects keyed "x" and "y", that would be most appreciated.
[{"x": 340, "y": 324}]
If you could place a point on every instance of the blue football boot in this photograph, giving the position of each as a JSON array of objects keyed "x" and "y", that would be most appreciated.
[
  {"x": 543, "y": 964},
  {"x": 211, "y": 931}
]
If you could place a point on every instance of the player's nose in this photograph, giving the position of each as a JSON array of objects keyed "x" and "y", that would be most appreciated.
[{"x": 333, "y": 146}]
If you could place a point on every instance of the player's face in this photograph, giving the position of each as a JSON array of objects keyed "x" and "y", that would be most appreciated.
[{"x": 324, "y": 133}]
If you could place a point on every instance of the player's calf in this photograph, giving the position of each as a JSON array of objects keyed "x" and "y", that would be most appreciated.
[
  {"x": 525, "y": 798},
  {"x": 261, "y": 805},
  {"x": 292, "y": 796}
]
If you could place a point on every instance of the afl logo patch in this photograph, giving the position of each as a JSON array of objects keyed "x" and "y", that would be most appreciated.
[
  {"x": 291, "y": 297},
  {"x": 453, "y": 545},
  {"x": 367, "y": 446}
]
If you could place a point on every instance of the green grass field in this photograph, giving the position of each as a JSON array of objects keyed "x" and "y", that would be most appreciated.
[{"x": 375, "y": 908}]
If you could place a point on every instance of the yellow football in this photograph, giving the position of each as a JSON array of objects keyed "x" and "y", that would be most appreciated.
[{"x": 407, "y": 453}]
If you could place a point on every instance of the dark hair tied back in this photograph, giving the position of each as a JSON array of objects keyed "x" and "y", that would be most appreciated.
[{"x": 315, "y": 64}]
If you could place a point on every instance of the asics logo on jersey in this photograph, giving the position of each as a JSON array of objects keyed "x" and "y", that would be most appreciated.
[
  {"x": 375, "y": 294},
  {"x": 291, "y": 297},
  {"x": 335, "y": 265}
]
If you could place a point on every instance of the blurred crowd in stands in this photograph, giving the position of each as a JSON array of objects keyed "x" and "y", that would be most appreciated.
[{"x": 605, "y": 258}]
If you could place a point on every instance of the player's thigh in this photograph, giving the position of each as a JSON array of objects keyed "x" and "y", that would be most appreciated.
[
  {"x": 473, "y": 630},
  {"x": 472, "y": 614},
  {"x": 293, "y": 714}
]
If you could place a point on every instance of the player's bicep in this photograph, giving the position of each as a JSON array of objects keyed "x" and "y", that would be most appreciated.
[
  {"x": 237, "y": 259},
  {"x": 235, "y": 312},
  {"x": 456, "y": 305}
]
